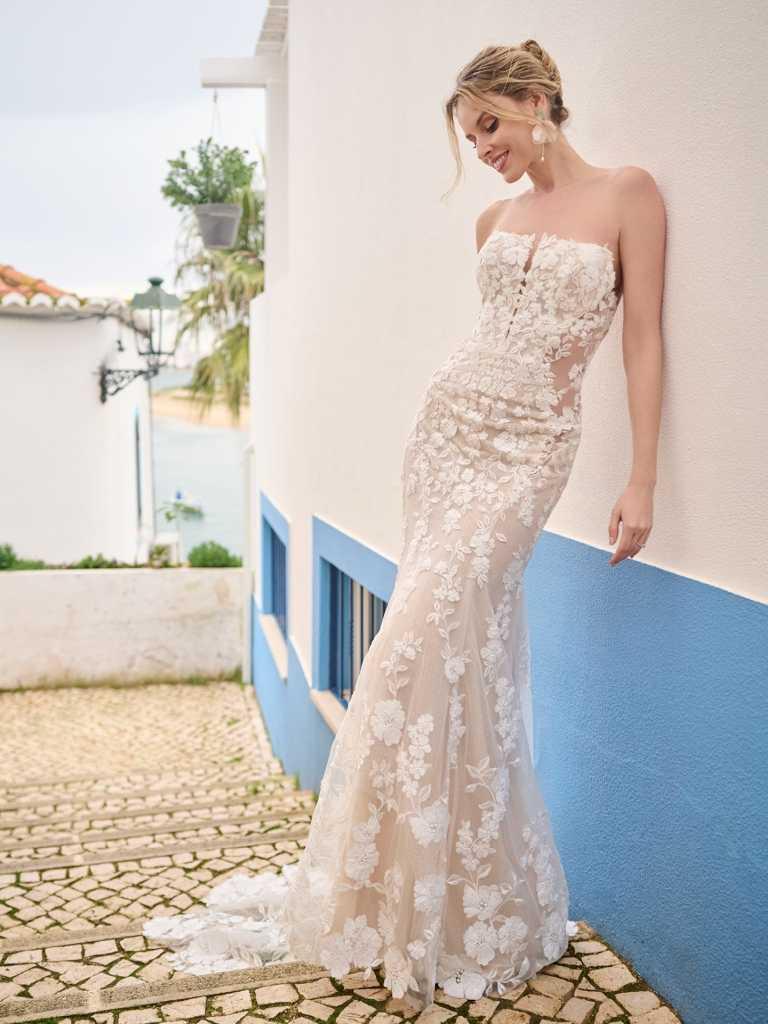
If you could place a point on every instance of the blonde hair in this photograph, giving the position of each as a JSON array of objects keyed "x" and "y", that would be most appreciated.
[{"x": 514, "y": 71}]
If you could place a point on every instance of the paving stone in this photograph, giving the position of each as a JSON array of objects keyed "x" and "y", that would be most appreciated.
[
  {"x": 276, "y": 994},
  {"x": 434, "y": 1015},
  {"x": 378, "y": 994},
  {"x": 483, "y": 1008},
  {"x": 549, "y": 985},
  {"x": 230, "y": 1002},
  {"x": 638, "y": 1002},
  {"x": 662, "y": 1015},
  {"x": 184, "y": 1008},
  {"x": 100, "y": 948},
  {"x": 313, "y": 1008},
  {"x": 609, "y": 1011},
  {"x": 47, "y": 987},
  {"x": 543, "y": 1005},
  {"x": 585, "y": 991},
  {"x": 76, "y": 973},
  {"x": 25, "y": 956},
  {"x": 587, "y": 947},
  {"x": 143, "y": 1016},
  {"x": 576, "y": 1010},
  {"x": 561, "y": 971},
  {"x": 313, "y": 989},
  {"x": 610, "y": 979},
  {"x": 604, "y": 959},
  {"x": 354, "y": 1012},
  {"x": 507, "y": 1016}
]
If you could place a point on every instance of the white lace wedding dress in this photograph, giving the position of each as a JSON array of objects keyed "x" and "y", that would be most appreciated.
[{"x": 430, "y": 850}]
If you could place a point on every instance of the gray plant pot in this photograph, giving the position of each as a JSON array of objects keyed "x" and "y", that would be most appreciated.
[{"x": 218, "y": 223}]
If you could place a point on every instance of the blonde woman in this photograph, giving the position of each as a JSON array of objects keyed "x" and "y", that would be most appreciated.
[{"x": 430, "y": 856}]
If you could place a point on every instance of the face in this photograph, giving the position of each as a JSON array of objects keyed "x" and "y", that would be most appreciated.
[{"x": 505, "y": 146}]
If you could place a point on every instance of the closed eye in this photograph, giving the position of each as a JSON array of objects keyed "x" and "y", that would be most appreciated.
[{"x": 491, "y": 127}]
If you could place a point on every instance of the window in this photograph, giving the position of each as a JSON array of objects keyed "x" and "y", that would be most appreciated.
[
  {"x": 355, "y": 617},
  {"x": 275, "y": 555}
]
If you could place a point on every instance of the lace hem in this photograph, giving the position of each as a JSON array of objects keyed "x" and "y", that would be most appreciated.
[{"x": 242, "y": 925}]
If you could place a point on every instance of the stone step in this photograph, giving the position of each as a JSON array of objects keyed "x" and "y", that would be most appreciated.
[
  {"x": 108, "y": 891},
  {"x": 238, "y": 769},
  {"x": 59, "y": 851},
  {"x": 131, "y": 979},
  {"x": 87, "y": 822},
  {"x": 170, "y": 792}
]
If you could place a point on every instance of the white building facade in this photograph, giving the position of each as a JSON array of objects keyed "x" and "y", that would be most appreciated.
[{"x": 77, "y": 472}]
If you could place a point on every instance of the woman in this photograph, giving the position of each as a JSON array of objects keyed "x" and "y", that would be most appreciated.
[{"x": 430, "y": 851}]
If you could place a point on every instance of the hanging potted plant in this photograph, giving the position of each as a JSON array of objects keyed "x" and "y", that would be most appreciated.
[{"x": 212, "y": 184}]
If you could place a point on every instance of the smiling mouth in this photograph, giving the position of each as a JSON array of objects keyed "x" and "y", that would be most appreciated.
[{"x": 500, "y": 161}]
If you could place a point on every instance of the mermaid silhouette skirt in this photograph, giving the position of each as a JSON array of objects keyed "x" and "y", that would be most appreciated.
[{"x": 431, "y": 853}]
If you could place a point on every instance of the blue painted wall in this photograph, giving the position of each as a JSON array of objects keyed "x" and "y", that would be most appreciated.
[
  {"x": 650, "y": 713},
  {"x": 297, "y": 730},
  {"x": 649, "y": 716}
]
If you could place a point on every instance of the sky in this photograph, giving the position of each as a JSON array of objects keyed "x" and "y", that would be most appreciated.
[{"x": 96, "y": 97}]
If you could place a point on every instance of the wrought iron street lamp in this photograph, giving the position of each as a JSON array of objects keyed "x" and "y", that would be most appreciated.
[{"x": 150, "y": 344}]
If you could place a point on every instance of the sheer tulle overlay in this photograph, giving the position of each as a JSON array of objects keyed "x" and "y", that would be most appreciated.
[{"x": 430, "y": 850}]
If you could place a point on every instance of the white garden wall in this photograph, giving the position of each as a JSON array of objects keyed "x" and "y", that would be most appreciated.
[{"x": 91, "y": 625}]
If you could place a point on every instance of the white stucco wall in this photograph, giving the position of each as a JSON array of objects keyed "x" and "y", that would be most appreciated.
[
  {"x": 95, "y": 625},
  {"x": 68, "y": 486},
  {"x": 374, "y": 284}
]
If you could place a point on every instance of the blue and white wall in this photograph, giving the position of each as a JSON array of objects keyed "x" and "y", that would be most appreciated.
[{"x": 650, "y": 695}]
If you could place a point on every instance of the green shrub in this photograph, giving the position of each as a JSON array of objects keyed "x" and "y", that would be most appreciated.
[
  {"x": 7, "y": 557},
  {"x": 160, "y": 556},
  {"x": 10, "y": 560},
  {"x": 100, "y": 562},
  {"x": 210, "y": 555}
]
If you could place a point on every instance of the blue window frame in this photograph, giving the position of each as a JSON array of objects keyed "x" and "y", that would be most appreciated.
[
  {"x": 275, "y": 576},
  {"x": 355, "y": 615}
]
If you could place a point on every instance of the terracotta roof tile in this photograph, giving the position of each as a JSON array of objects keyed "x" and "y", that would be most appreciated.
[
  {"x": 24, "y": 295},
  {"x": 13, "y": 280}
]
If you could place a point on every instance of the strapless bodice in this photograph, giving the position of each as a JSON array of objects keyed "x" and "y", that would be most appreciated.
[
  {"x": 536, "y": 330},
  {"x": 569, "y": 284}
]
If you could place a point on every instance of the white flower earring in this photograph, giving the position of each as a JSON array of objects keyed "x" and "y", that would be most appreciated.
[{"x": 540, "y": 133}]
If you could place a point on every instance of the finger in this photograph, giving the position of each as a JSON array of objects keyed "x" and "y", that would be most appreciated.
[
  {"x": 613, "y": 525},
  {"x": 642, "y": 538}
]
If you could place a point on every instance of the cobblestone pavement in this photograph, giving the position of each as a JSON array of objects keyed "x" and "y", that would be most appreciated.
[{"x": 121, "y": 804}]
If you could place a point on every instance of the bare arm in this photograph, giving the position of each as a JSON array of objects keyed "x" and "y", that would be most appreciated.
[{"x": 642, "y": 244}]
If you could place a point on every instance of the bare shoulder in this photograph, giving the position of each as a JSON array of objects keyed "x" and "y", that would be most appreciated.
[
  {"x": 641, "y": 212},
  {"x": 638, "y": 186},
  {"x": 486, "y": 221}
]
